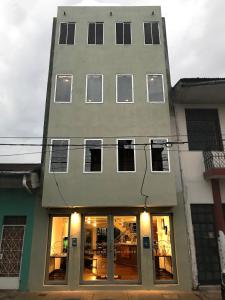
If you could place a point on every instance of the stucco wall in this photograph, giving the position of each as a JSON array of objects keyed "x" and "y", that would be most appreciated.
[
  {"x": 196, "y": 188},
  {"x": 109, "y": 118}
]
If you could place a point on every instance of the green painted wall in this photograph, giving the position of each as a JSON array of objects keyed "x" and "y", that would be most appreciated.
[{"x": 18, "y": 202}]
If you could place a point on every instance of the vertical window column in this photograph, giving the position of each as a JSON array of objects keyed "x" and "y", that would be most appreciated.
[
  {"x": 123, "y": 33},
  {"x": 67, "y": 33},
  {"x": 126, "y": 156},
  {"x": 93, "y": 156},
  {"x": 59, "y": 156},
  {"x": 155, "y": 88},
  {"x": 95, "y": 33},
  {"x": 63, "y": 88},
  {"x": 159, "y": 155}
]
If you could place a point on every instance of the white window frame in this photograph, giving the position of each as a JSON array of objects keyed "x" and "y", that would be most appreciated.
[
  {"x": 93, "y": 102},
  {"x": 132, "y": 82},
  {"x": 50, "y": 157},
  {"x": 93, "y": 172},
  {"x": 151, "y": 33},
  {"x": 162, "y": 76},
  {"x": 150, "y": 153},
  {"x": 103, "y": 40},
  {"x": 117, "y": 155},
  {"x": 71, "y": 89},
  {"x": 131, "y": 40},
  {"x": 74, "y": 38}
]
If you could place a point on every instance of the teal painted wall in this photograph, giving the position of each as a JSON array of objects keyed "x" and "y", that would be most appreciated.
[{"x": 18, "y": 202}]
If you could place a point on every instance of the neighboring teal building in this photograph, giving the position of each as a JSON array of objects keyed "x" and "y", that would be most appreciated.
[{"x": 18, "y": 198}]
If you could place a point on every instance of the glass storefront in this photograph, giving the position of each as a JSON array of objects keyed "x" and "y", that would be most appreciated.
[
  {"x": 163, "y": 248},
  {"x": 58, "y": 249},
  {"x": 110, "y": 248}
]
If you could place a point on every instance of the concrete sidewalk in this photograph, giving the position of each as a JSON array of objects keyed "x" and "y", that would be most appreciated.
[{"x": 111, "y": 295}]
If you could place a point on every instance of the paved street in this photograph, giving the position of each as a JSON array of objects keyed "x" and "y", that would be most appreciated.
[{"x": 112, "y": 295}]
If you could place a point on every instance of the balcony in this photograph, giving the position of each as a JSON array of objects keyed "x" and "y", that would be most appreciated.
[{"x": 214, "y": 164}]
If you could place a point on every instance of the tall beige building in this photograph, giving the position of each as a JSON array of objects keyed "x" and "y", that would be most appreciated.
[{"x": 111, "y": 210}]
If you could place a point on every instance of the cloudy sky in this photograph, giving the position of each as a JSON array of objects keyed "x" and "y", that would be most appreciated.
[{"x": 196, "y": 49}]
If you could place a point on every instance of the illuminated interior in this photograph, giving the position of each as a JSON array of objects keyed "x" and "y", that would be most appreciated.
[
  {"x": 162, "y": 248},
  {"x": 58, "y": 248},
  {"x": 120, "y": 255}
]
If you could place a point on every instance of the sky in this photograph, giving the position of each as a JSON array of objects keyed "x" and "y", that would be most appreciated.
[{"x": 196, "y": 44}]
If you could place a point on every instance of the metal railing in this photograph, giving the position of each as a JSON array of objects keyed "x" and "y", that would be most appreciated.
[{"x": 214, "y": 159}]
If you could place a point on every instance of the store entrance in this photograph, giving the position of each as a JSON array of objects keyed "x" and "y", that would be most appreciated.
[{"x": 110, "y": 249}]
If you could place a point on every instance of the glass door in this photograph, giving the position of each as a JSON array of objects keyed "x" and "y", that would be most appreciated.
[
  {"x": 110, "y": 252},
  {"x": 125, "y": 262},
  {"x": 95, "y": 258}
]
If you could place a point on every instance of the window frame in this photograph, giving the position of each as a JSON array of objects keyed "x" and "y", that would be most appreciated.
[
  {"x": 103, "y": 33},
  {"x": 71, "y": 89},
  {"x": 152, "y": 44},
  {"x": 92, "y": 172},
  {"x": 48, "y": 282},
  {"x": 117, "y": 155},
  {"x": 50, "y": 157},
  {"x": 74, "y": 38},
  {"x": 163, "y": 88},
  {"x": 131, "y": 40},
  {"x": 94, "y": 102},
  {"x": 150, "y": 153},
  {"x": 132, "y": 89}
]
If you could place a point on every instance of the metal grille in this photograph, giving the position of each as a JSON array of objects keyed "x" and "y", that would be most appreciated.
[
  {"x": 206, "y": 244},
  {"x": 214, "y": 159},
  {"x": 11, "y": 250}
]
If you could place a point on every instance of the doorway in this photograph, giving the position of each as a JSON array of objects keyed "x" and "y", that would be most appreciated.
[{"x": 110, "y": 249}]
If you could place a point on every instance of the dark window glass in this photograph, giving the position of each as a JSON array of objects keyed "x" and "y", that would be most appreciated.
[
  {"x": 151, "y": 30},
  {"x": 159, "y": 155},
  {"x": 155, "y": 32},
  {"x": 63, "y": 88},
  {"x": 59, "y": 156},
  {"x": 93, "y": 156},
  {"x": 126, "y": 155},
  {"x": 119, "y": 33},
  {"x": 99, "y": 33},
  {"x": 67, "y": 33},
  {"x": 95, "y": 33},
  {"x": 203, "y": 129},
  {"x": 91, "y": 33},
  {"x": 127, "y": 33},
  {"x": 148, "y": 33},
  {"x": 71, "y": 33},
  {"x": 63, "y": 33},
  {"x": 15, "y": 220}
]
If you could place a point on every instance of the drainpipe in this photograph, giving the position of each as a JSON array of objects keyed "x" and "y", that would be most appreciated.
[
  {"x": 24, "y": 182},
  {"x": 219, "y": 221}
]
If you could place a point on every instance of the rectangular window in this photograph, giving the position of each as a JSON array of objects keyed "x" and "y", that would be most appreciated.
[
  {"x": 151, "y": 32},
  {"x": 94, "y": 88},
  {"x": 124, "y": 90},
  {"x": 155, "y": 88},
  {"x": 159, "y": 155},
  {"x": 58, "y": 249},
  {"x": 163, "y": 248},
  {"x": 93, "y": 156},
  {"x": 95, "y": 33},
  {"x": 67, "y": 33},
  {"x": 123, "y": 33},
  {"x": 125, "y": 156},
  {"x": 59, "y": 156},
  {"x": 203, "y": 129},
  {"x": 63, "y": 88}
]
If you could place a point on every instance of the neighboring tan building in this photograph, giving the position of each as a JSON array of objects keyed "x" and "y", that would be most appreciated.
[
  {"x": 200, "y": 117},
  {"x": 18, "y": 200},
  {"x": 110, "y": 214}
]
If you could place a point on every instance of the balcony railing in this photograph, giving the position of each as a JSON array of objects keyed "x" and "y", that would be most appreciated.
[{"x": 214, "y": 159}]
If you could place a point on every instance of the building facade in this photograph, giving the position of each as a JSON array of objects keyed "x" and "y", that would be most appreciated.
[
  {"x": 18, "y": 199},
  {"x": 200, "y": 113},
  {"x": 112, "y": 210}
]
